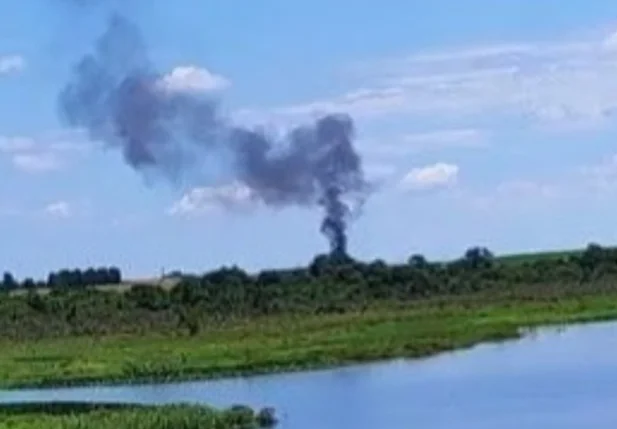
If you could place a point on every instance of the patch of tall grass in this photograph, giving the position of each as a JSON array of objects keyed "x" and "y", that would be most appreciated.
[
  {"x": 291, "y": 342},
  {"x": 119, "y": 416}
]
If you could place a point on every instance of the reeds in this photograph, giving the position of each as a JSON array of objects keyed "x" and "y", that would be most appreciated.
[{"x": 119, "y": 416}]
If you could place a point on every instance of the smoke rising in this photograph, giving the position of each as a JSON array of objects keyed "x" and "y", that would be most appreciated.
[{"x": 116, "y": 93}]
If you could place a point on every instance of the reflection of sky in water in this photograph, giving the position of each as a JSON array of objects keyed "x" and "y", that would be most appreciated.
[{"x": 553, "y": 380}]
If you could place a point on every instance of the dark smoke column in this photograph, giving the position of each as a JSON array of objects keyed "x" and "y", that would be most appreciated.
[
  {"x": 340, "y": 174},
  {"x": 334, "y": 225},
  {"x": 120, "y": 98},
  {"x": 314, "y": 165}
]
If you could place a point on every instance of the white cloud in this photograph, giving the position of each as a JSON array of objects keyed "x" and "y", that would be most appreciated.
[
  {"x": 597, "y": 180},
  {"x": 553, "y": 83},
  {"x": 66, "y": 141},
  {"x": 12, "y": 64},
  {"x": 452, "y": 137},
  {"x": 359, "y": 102},
  {"x": 466, "y": 138},
  {"x": 428, "y": 177},
  {"x": 527, "y": 188},
  {"x": 36, "y": 162},
  {"x": 193, "y": 79},
  {"x": 59, "y": 209},
  {"x": 610, "y": 42},
  {"x": 199, "y": 201},
  {"x": 518, "y": 194},
  {"x": 9, "y": 145},
  {"x": 43, "y": 153}
]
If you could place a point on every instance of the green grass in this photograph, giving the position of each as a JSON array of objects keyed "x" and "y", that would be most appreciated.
[
  {"x": 289, "y": 343},
  {"x": 118, "y": 416}
]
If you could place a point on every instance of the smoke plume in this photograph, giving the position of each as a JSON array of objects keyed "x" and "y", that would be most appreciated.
[{"x": 116, "y": 93}]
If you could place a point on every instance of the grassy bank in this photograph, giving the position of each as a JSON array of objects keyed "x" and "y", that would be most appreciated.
[
  {"x": 118, "y": 416},
  {"x": 334, "y": 311},
  {"x": 271, "y": 344}
]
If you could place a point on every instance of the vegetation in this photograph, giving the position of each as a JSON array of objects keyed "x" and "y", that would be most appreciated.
[
  {"x": 287, "y": 342},
  {"x": 120, "y": 416},
  {"x": 328, "y": 285},
  {"x": 336, "y": 310},
  {"x": 65, "y": 279}
]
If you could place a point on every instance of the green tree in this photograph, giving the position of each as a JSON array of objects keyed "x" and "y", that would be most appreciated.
[
  {"x": 9, "y": 282},
  {"x": 29, "y": 283},
  {"x": 114, "y": 276},
  {"x": 417, "y": 261},
  {"x": 478, "y": 257}
]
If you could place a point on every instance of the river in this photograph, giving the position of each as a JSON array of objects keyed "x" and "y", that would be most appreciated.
[{"x": 559, "y": 379}]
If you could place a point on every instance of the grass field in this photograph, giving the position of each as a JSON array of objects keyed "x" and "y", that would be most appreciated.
[
  {"x": 115, "y": 416},
  {"x": 166, "y": 283},
  {"x": 288, "y": 343},
  {"x": 520, "y": 258}
]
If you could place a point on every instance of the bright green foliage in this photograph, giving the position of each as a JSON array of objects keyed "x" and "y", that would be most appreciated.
[{"x": 289, "y": 342}]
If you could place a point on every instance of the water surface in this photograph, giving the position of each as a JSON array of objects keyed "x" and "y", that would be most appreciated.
[{"x": 550, "y": 380}]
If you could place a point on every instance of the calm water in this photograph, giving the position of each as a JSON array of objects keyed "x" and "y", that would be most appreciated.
[{"x": 551, "y": 380}]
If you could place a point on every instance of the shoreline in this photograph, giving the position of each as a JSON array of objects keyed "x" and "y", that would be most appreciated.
[
  {"x": 259, "y": 372},
  {"x": 377, "y": 336}
]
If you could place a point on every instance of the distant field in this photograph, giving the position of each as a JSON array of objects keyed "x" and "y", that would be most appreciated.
[
  {"x": 167, "y": 283},
  {"x": 519, "y": 258},
  {"x": 550, "y": 255}
]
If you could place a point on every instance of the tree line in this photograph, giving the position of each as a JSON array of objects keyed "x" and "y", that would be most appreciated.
[
  {"x": 329, "y": 284},
  {"x": 65, "y": 278}
]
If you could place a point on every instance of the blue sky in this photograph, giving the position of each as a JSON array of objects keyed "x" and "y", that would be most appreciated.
[{"x": 485, "y": 124}]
